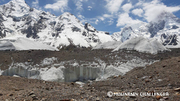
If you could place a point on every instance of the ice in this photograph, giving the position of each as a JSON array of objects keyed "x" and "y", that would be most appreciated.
[
  {"x": 80, "y": 83},
  {"x": 52, "y": 74},
  {"x": 108, "y": 45},
  {"x": 1, "y": 72},
  {"x": 21, "y": 43},
  {"x": 16, "y": 76},
  {"x": 72, "y": 74},
  {"x": 48, "y": 61},
  {"x": 50, "y": 69},
  {"x": 142, "y": 45},
  {"x": 22, "y": 71},
  {"x": 6, "y": 45},
  {"x": 122, "y": 69}
]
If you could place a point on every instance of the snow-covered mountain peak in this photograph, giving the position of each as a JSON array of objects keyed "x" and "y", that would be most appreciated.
[
  {"x": 18, "y": 1},
  {"x": 166, "y": 16},
  {"x": 166, "y": 19},
  {"x": 15, "y": 8},
  {"x": 165, "y": 28},
  {"x": 67, "y": 14},
  {"x": 18, "y": 19},
  {"x": 69, "y": 19}
]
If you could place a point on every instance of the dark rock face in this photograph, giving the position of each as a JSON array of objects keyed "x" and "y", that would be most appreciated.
[
  {"x": 175, "y": 27},
  {"x": 76, "y": 29},
  {"x": 44, "y": 13},
  {"x": 53, "y": 23},
  {"x": 87, "y": 27},
  {"x": 1, "y": 18},
  {"x": 55, "y": 35},
  {"x": 170, "y": 40},
  {"x": 16, "y": 19},
  {"x": 163, "y": 36},
  {"x": 155, "y": 27},
  {"x": 127, "y": 30},
  {"x": 31, "y": 31},
  {"x": 96, "y": 40},
  {"x": 107, "y": 33},
  {"x": 31, "y": 9},
  {"x": 84, "y": 33},
  {"x": 2, "y": 34},
  {"x": 60, "y": 27}
]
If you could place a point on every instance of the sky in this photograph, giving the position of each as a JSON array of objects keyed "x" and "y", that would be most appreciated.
[{"x": 108, "y": 15}]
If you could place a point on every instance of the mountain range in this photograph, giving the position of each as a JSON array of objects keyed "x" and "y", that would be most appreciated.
[
  {"x": 165, "y": 28},
  {"x": 17, "y": 19}
]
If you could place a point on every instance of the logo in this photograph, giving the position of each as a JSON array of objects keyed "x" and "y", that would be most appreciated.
[{"x": 110, "y": 94}]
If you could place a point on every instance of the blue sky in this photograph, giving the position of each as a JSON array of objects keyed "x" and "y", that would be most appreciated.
[{"x": 108, "y": 15}]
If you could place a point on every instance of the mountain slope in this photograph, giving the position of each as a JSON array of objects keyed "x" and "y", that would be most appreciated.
[{"x": 18, "y": 19}]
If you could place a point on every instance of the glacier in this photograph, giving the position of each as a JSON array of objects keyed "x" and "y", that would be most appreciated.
[
  {"x": 6, "y": 45},
  {"x": 108, "y": 45},
  {"x": 72, "y": 71},
  {"x": 142, "y": 44},
  {"x": 22, "y": 43},
  {"x": 1, "y": 72}
]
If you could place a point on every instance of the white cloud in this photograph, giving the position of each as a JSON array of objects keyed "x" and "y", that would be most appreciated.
[
  {"x": 138, "y": 12},
  {"x": 80, "y": 16},
  {"x": 104, "y": 16},
  {"x": 96, "y": 22},
  {"x": 113, "y": 6},
  {"x": 107, "y": 16},
  {"x": 79, "y": 4},
  {"x": 111, "y": 21},
  {"x": 140, "y": 3},
  {"x": 35, "y": 4},
  {"x": 125, "y": 19},
  {"x": 89, "y": 8},
  {"x": 155, "y": 8},
  {"x": 101, "y": 18},
  {"x": 61, "y": 5},
  {"x": 127, "y": 7}
]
